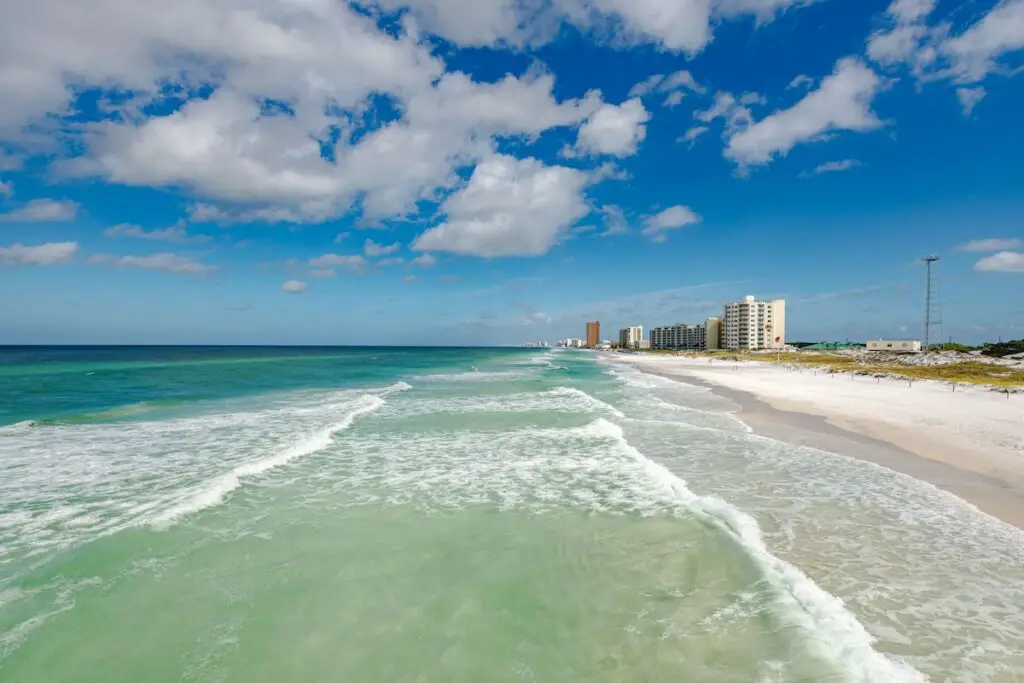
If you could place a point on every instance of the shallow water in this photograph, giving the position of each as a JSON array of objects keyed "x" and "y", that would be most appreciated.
[{"x": 462, "y": 515}]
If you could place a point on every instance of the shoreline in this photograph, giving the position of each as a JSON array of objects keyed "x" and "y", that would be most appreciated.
[{"x": 992, "y": 482}]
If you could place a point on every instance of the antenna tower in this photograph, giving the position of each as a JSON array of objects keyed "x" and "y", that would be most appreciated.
[{"x": 932, "y": 318}]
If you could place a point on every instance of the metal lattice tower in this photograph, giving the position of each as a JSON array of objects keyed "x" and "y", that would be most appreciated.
[{"x": 932, "y": 316}]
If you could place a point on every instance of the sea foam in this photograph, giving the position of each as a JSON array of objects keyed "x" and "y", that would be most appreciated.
[{"x": 213, "y": 492}]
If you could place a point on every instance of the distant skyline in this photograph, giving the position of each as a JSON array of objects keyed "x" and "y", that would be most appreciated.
[{"x": 480, "y": 172}]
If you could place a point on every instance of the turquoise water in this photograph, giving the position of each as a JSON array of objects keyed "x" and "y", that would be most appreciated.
[{"x": 266, "y": 515}]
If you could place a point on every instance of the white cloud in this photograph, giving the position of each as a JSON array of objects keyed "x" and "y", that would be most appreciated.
[
  {"x": 42, "y": 211},
  {"x": 991, "y": 244},
  {"x": 410, "y": 278},
  {"x": 393, "y": 261},
  {"x": 672, "y": 24},
  {"x": 1003, "y": 262},
  {"x": 245, "y": 158},
  {"x": 175, "y": 233},
  {"x": 371, "y": 248},
  {"x": 801, "y": 81},
  {"x": 9, "y": 162},
  {"x": 615, "y": 222},
  {"x": 6, "y": 189},
  {"x": 750, "y": 98},
  {"x": 41, "y": 255},
  {"x": 674, "y": 99},
  {"x": 674, "y": 85},
  {"x": 472, "y": 23},
  {"x": 613, "y": 130},
  {"x": 323, "y": 273},
  {"x": 833, "y": 167},
  {"x": 672, "y": 218},
  {"x": 737, "y": 117},
  {"x": 692, "y": 134},
  {"x": 509, "y": 207},
  {"x": 903, "y": 40},
  {"x": 896, "y": 45},
  {"x": 340, "y": 237},
  {"x": 910, "y": 10},
  {"x": 294, "y": 287},
  {"x": 646, "y": 86},
  {"x": 354, "y": 262},
  {"x": 841, "y": 102},
  {"x": 681, "y": 79},
  {"x": 165, "y": 262},
  {"x": 969, "y": 98},
  {"x": 424, "y": 261},
  {"x": 975, "y": 53}
]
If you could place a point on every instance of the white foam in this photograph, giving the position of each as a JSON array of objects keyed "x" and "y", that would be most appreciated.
[
  {"x": 833, "y": 628},
  {"x": 17, "y": 428},
  {"x": 213, "y": 493},
  {"x": 393, "y": 389},
  {"x": 475, "y": 376}
]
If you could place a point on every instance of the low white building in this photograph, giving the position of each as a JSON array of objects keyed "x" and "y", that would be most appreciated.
[{"x": 895, "y": 345}]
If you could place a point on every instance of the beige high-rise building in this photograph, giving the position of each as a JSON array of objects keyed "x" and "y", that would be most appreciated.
[
  {"x": 754, "y": 325},
  {"x": 593, "y": 333},
  {"x": 630, "y": 337}
]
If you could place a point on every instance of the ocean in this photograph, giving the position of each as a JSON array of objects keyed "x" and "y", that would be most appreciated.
[{"x": 261, "y": 515}]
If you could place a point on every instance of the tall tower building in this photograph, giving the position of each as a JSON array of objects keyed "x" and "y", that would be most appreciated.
[
  {"x": 754, "y": 325},
  {"x": 593, "y": 333}
]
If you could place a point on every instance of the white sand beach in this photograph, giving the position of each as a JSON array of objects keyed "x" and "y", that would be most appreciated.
[{"x": 969, "y": 441}]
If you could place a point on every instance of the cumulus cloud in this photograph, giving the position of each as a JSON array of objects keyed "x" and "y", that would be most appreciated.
[
  {"x": 175, "y": 233},
  {"x": 842, "y": 102},
  {"x": 991, "y": 244},
  {"x": 911, "y": 10},
  {"x": 672, "y": 218},
  {"x": 43, "y": 211},
  {"x": 7, "y": 189},
  {"x": 47, "y": 254},
  {"x": 289, "y": 127},
  {"x": 613, "y": 130},
  {"x": 509, "y": 207},
  {"x": 969, "y": 98},
  {"x": 1003, "y": 262},
  {"x": 833, "y": 167},
  {"x": 372, "y": 249},
  {"x": 975, "y": 53},
  {"x": 424, "y": 261},
  {"x": 353, "y": 262},
  {"x": 166, "y": 262},
  {"x": 682, "y": 25},
  {"x": 294, "y": 287}
]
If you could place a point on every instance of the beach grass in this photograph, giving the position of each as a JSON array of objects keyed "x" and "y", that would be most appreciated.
[{"x": 964, "y": 372}]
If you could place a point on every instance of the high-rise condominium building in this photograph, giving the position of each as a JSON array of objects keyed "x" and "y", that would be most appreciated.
[
  {"x": 688, "y": 337},
  {"x": 630, "y": 337},
  {"x": 751, "y": 324},
  {"x": 593, "y": 333}
]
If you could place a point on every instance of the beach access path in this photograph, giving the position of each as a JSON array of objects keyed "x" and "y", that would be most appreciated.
[{"x": 969, "y": 441}]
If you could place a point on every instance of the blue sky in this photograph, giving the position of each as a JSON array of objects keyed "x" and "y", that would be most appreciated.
[{"x": 499, "y": 171}]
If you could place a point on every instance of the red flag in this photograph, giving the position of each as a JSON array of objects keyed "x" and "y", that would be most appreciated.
[{"x": 778, "y": 338}]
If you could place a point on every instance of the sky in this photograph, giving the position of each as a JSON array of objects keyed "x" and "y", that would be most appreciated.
[{"x": 463, "y": 172}]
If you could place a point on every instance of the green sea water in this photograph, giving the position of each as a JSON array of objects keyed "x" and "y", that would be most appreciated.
[{"x": 267, "y": 515}]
